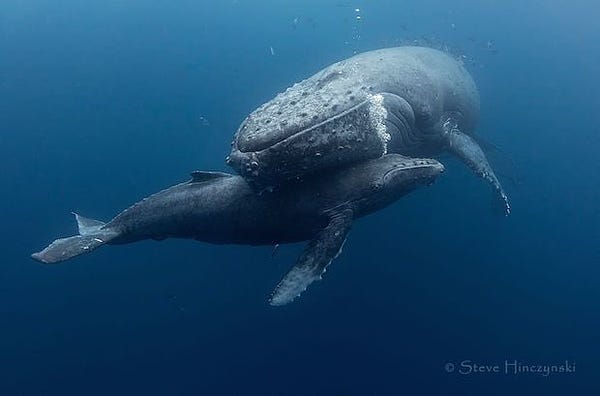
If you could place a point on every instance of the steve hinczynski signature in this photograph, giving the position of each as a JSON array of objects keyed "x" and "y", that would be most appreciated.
[{"x": 510, "y": 367}]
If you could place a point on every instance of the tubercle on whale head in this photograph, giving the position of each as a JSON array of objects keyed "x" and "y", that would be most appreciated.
[
  {"x": 346, "y": 139},
  {"x": 325, "y": 95}
]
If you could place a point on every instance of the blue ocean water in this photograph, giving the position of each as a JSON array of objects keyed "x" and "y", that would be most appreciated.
[{"x": 105, "y": 102}]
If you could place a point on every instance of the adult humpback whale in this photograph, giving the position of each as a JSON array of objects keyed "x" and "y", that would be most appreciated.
[
  {"x": 414, "y": 101},
  {"x": 222, "y": 208}
]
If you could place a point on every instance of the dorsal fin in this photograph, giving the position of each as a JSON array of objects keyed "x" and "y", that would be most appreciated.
[{"x": 202, "y": 176}]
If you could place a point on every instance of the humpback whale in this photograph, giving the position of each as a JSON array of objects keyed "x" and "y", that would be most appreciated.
[
  {"x": 414, "y": 101},
  {"x": 223, "y": 208}
]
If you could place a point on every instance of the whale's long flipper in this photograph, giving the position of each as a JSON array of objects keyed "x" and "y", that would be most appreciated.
[
  {"x": 313, "y": 262},
  {"x": 471, "y": 154},
  {"x": 92, "y": 234}
]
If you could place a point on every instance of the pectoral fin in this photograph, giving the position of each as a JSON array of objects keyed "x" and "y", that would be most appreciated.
[
  {"x": 313, "y": 262},
  {"x": 471, "y": 154}
]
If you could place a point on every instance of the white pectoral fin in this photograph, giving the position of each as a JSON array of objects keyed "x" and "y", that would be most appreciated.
[
  {"x": 313, "y": 262},
  {"x": 471, "y": 154}
]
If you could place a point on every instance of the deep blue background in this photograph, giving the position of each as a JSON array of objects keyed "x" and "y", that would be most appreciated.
[{"x": 101, "y": 104}]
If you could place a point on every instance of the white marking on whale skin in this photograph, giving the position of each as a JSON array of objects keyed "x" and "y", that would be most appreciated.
[
  {"x": 378, "y": 114},
  {"x": 338, "y": 253},
  {"x": 294, "y": 283}
]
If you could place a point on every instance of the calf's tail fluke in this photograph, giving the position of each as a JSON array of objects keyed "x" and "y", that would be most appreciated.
[{"x": 92, "y": 234}]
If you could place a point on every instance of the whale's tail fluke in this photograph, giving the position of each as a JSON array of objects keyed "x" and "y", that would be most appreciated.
[{"x": 92, "y": 234}]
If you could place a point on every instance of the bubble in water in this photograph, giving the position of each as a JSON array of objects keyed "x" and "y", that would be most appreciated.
[{"x": 356, "y": 30}]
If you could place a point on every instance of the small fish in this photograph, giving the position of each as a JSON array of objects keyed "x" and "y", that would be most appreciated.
[{"x": 272, "y": 51}]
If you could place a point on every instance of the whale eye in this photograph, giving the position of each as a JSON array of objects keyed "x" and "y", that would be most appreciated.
[{"x": 377, "y": 185}]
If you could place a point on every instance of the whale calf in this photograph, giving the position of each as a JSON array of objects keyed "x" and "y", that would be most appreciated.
[
  {"x": 414, "y": 101},
  {"x": 223, "y": 208}
]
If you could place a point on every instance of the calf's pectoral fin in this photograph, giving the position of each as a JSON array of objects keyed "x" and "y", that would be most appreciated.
[
  {"x": 470, "y": 153},
  {"x": 313, "y": 262}
]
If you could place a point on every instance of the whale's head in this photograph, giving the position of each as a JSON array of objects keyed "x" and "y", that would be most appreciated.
[
  {"x": 318, "y": 123},
  {"x": 379, "y": 182},
  {"x": 303, "y": 106},
  {"x": 403, "y": 174}
]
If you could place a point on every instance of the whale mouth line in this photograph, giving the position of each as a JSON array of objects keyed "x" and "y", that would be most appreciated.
[
  {"x": 268, "y": 145},
  {"x": 419, "y": 164}
]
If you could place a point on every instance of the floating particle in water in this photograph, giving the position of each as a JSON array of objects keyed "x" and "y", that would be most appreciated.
[
  {"x": 274, "y": 252},
  {"x": 203, "y": 121},
  {"x": 175, "y": 302}
]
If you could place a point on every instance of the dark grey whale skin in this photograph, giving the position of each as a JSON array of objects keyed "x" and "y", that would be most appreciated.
[
  {"x": 226, "y": 210},
  {"x": 327, "y": 121},
  {"x": 223, "y": 208}
]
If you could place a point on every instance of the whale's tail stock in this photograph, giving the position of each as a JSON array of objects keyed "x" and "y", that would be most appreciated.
[{"x": 92, "y": 234}]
